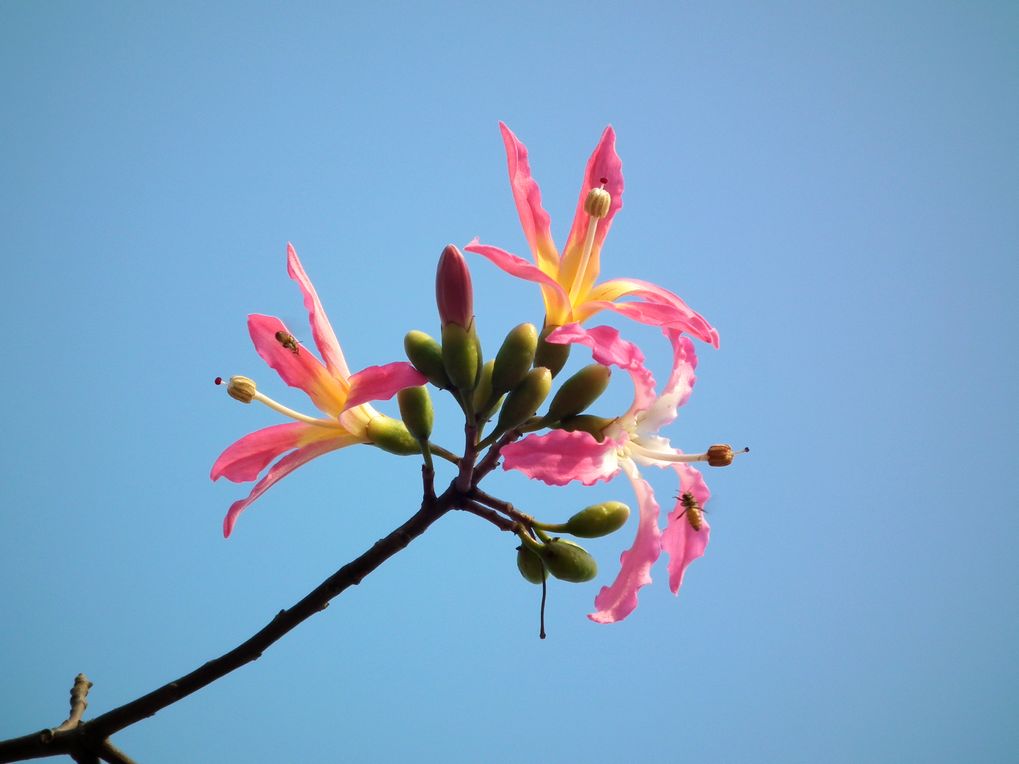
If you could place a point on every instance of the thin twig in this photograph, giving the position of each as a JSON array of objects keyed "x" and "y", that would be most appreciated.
[
  {"x": 491, "y": 515},
  {"x": 503, "y": 506},
  {"x": 109, "y": 753},
  {"x": 491, "y": 458},
  {"x": 79, "y": 702}
]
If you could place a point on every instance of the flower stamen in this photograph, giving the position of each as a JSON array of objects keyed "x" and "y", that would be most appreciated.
[
  {"x": 596, "y": 205},
  {"x": 716, "y": 456},
  {"x": 244, "y": 390}
]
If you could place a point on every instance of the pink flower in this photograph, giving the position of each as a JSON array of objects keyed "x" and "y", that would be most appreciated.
[
  {"x": 341, "y": 396},
  {"x": 630, "y": 442},
  {"x": 568, "y": 282}
]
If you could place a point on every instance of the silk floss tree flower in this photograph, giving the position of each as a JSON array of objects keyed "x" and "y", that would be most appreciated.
[
  {"x": 569, "y": 280},
  {"x": 624, "y": 446},
  {"x": 342, "y": 398}
]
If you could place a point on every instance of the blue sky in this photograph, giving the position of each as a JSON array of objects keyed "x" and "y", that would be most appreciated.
[{"x": 834, "y": 185}]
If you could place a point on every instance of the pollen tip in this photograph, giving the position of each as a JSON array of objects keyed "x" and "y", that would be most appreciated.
[
  {"x": 603, "y": 181},
  {"x": 218, "y": 380}
]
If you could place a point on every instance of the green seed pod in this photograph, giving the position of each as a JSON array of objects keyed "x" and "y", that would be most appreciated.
[
  {"x": 550, "y": 355},
  {"x": 460, "y": 356},
  {"x": 530, "y": 565},
  {"x": 483, "y": 392},
  {"x": 598, "y": 520},
  {"x": 393, "y": 436},
  {"x": 595, "y": 425},
  {"x": 416, "y": 411},
  {"x": 579, "y": 392},
  {"x": 568, "y": 561},
  {"x": 426, "y": 355},
  {"x": 524, "y": 400},
  {"x": 514, "y": 358}
]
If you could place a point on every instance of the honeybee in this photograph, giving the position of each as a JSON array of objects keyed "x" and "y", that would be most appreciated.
[
  {"x": 693, "y": 511},
  {"x": 288, "y": 341}
]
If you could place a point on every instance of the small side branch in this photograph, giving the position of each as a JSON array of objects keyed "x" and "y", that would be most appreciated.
[
  {"x": 488, "y": 514},
  {"x": 79, "y": 702}
]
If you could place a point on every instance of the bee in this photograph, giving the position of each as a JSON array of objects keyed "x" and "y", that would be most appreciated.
[
  {"x": 693, "y": 511},
  {"x": 288, "y": 341}
]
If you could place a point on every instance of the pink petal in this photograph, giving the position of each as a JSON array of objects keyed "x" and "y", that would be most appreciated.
[
  {"x": 603, "y": 164},
  {"x": 379, "y": 383},
  {"x": 677, "y": 389},
  {"x": 527, "y": 196},
  {"x": 560, "y": 456},
  {"x": 301, "y": 369},
  {"x": 617, "y": 601},
  {"x": 557, "y": 302},
  {"x": 280, "y": 470},
  {"x": 242, "y": 461},
  {"x": 609, "y": 349},
  {"x": 657, "y": 306},
  {"x": 321, "y": 329},
  {"x": 680, "y": 541}
]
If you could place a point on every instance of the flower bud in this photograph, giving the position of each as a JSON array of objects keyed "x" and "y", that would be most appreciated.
[
  {"x": 594, "y": 425},
  {"x": 579, "y": 392},
  {"x": 460, "y": 355},
  {"x": 524, "y": 400},
  {"x": 514, "y": 358},
  {"x": 550, "y": 354},
  {"x": 416, "y": 411},
  {"x": 392, "y": 435},
  {"x": 453, "y": 292},
  {"x": 483, "y": 392},
  {"x": 568, "y": 561},
  {"x": 241, "y": 389},
  {"x": 598, "y": 520},
  {"x": 720, "y": 455},
  {"x": 530, "y": 565},
  {"x": 426, "y": 355}
]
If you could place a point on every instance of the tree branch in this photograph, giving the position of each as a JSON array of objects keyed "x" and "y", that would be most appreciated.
[{"x": 87, "y": 741}]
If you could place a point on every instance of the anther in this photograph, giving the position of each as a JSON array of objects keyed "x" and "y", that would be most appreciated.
[
  {"x": 241, "y": 389},
  {"x": 598, "y": 202},
  {"x": 218, "y": 381},
  {"x": 722, "y": 455}
]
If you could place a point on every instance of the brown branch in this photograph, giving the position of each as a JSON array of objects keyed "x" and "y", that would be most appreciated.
[
  {"x": 109, "y": 753},
  {"x": 503, "y": 506},
  {"x": 489, "y": 514},
  {"x": 87, "y": 739},
  {"x": 491, "y": 458}
]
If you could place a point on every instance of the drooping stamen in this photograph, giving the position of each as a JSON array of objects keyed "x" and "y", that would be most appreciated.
[
  {"x": 716, "y": 456},
  {"x": 244, "y": 390},
  {"x": 596, "y": 205}
]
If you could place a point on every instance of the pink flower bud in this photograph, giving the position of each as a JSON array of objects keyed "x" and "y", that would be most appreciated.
[{"x": 453, "y": 291}]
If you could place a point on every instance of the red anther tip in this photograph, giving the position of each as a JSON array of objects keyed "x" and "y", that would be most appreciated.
[
  {"x": 603, "y": 181},
  {"x": 218, "y": 380}
]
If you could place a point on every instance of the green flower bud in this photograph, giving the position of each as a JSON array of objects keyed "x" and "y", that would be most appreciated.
[
  {"x": 524, "y": 400},
  {"x": 568, "y": 561},
  {"x": 514, "y": 358},
  {"x": 393, "y": 436},
  {"x": 598, "y": 520},
  {"x": 530, "y": 565},
  {"x": 579, "y": 392},
  {"x": 426, "y": 355},
  {"x": 550, "y": 355},
  {"x": 460, "y": 355},
  {"x": 595, "y": 425},
  {"x": 416, "y": 411},
  {"x": 483, "y": 392}
]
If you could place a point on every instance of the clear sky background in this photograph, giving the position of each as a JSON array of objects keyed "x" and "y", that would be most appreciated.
[{"x": 834, "y": 185}]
